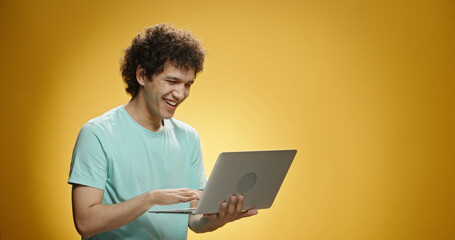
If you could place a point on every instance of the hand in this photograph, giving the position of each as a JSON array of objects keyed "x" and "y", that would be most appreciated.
[
  {"x": 230, "y": 212},
  {"x": 173, "y": 196}
]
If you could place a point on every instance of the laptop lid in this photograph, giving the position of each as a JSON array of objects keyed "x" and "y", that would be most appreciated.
[{"x": 258, "y": 175}]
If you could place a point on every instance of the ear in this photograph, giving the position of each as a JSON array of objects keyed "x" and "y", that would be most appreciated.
[{"x": 141, "y": 76}]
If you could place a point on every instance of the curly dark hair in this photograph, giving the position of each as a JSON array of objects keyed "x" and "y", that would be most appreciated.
[{"x": 154, "y": 47}]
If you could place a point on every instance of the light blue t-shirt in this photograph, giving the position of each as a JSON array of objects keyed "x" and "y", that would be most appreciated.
[{"x": 116, "y": 154}]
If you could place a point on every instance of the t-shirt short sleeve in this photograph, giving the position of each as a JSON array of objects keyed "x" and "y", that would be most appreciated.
[{"x": 89, "y": 161}]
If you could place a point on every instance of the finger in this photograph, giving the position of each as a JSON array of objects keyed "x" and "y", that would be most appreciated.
[
  {"x": 187, "y": 199},
  {"x": 232, "y": 203},
  {"x": 188, "y": 191},
  {"x": 239, "y": 205},
  {"x": 190, "y": 197},
  {"x": 191, "y": 193},
  {"x": 249, "y": 213},
  {"x": 196, "y": 196},
  {"x": 222, "y": 212},
  {"x": 199, "y": 193}
]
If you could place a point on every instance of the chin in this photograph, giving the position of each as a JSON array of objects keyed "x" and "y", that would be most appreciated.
[{"x": 168, "y": 116}]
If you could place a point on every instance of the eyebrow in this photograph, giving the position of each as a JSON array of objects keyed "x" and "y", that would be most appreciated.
[{"x": 178, "y": 79}]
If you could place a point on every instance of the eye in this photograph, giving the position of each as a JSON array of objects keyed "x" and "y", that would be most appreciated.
[{"x": 171, "y": 81}]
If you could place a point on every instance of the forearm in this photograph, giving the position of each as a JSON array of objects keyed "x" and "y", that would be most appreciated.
[
  {"x": 91, "y": 216},
  {"x": 101, "y": 218}
]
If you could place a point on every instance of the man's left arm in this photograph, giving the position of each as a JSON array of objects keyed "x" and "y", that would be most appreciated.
[{"x": 228, "y": 212}]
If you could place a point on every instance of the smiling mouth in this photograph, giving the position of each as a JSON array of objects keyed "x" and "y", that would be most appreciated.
[{"x": 170, "y": 102}]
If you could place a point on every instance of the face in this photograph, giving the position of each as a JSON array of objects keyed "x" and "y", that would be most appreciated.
[{"x": 166, "y": 90}]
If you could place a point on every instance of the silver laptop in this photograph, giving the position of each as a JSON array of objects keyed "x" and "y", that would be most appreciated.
[{"x": 257, "y": 175}]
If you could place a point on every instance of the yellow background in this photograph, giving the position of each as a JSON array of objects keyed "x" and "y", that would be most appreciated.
[{"x": 363, "y": 89}]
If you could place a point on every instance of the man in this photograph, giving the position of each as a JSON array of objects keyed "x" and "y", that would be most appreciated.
[{"x": 137, "y": 156}]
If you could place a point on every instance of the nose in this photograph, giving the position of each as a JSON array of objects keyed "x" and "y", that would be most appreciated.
[{"x": 179, "y": 92}]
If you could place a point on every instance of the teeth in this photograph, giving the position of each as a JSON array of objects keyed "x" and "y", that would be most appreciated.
[{"x": 170, "y": 102}]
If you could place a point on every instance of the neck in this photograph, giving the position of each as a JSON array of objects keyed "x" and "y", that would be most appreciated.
[{"x": 138, "y": 110}]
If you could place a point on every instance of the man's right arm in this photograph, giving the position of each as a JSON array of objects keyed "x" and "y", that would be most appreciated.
[{"x": 92, "y": 217}]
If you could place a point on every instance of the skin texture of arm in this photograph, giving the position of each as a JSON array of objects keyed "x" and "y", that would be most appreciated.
[
  {"x": 92, "y": 217},
  {"x": 228, "y": 212}
]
